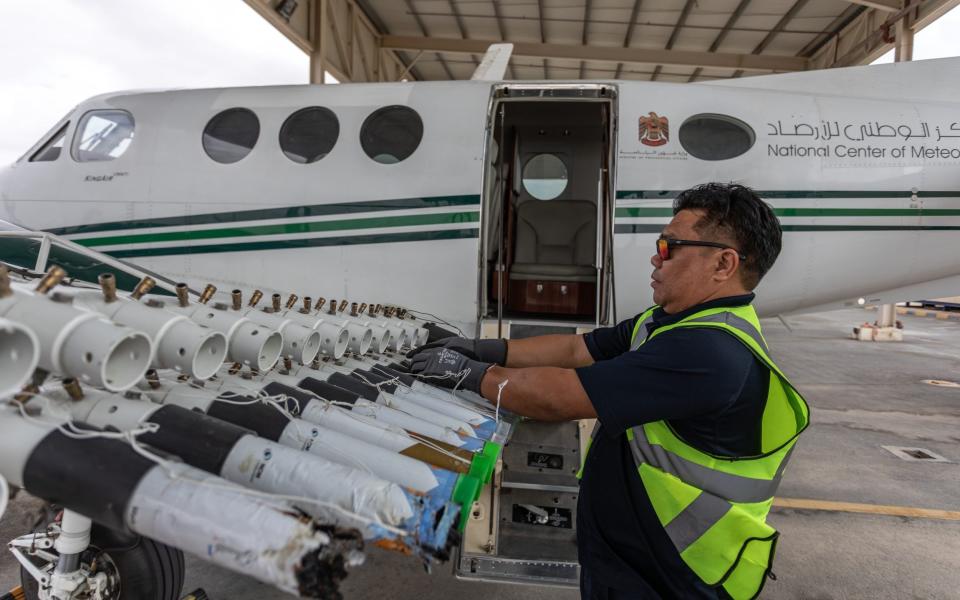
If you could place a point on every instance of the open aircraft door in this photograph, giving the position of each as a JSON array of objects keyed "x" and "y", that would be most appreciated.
[{"x": 546, "y": 266}]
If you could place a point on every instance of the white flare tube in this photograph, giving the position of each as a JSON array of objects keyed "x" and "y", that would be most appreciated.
[
  {"x": 260, "y": 464},
  {"x": 80, "y": 343},
  {"x": 450, "y": 409},
  {"x": 178, "y": 342},
  {"x": 4, "y": 495},
  {"x": 383, "y": 416},
  {"x": 334, "y": 336},
  {"x": 345, "y": 450},
  {"x": 398, "y": 337},
  {"x": 248, "y": 343},
  {"x": 300, "y": 342},
  {"x": 19, "y": 355},
  {"x": 209, "y": 517},
  {"x": 361, "y": 336},
  {"x": 388, "y": 399}
]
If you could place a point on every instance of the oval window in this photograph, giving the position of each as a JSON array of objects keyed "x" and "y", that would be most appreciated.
[
  {"x": 309, "y": 134},
  {"x": 102, "y": 135},
  {"x": 391, "y": 134},
  {"x": 716, "y": 137},
  {"x": 545, "y": 176},
  {"x": 231, "y": 135}
]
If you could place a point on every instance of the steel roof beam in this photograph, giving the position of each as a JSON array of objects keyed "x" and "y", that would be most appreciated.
[
  {"x": 723, "y": 34},
  {"x": 543, "y": 38},
  {"x": 423, "y": 30},
  {"x": 885, "y": 5},
  {"x": 746, "y": 62},
  {"x": 673, "y": 35},
  {"x": 586, "y": 26},
  {"x": 629, "y": 35},
  {"x": 780, "y": 26},
  {"x": 503, "y": 34}
]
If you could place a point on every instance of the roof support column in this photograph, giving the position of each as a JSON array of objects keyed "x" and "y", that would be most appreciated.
[
  {"x": 903, "y": 52},
  {"x": 318, "y": 58},
  {"x": 904, "y": 48}
]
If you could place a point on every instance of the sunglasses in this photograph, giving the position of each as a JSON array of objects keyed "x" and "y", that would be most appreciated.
[{"x": 664, "y": 245}]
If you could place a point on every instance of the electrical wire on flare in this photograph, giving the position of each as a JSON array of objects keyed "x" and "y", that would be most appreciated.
[{"x": 70, "y": 429}]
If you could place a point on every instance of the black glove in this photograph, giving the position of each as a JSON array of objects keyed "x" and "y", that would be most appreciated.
[
  {"x": 446, "y": 368},
  {"x": 489, "y": 351}
]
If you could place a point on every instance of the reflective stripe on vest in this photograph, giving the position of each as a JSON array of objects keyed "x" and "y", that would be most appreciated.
[{"x": 714, "y": 508}]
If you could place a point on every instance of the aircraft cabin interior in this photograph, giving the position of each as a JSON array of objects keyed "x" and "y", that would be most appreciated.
[{"x": 547, "y": 205}]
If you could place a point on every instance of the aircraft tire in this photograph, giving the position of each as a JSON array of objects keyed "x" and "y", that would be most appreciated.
[{"x": 148, "y": 570}]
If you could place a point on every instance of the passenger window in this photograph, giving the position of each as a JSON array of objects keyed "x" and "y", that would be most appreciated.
[
  {"x": 102, "y": 135},
  {"x": 309, "y": 134},
  {"x": 716, "y": 137},
  {"x": 545, "y": 176},
  {"x": 231, "y": 135},
  {"x": 391, "y": 134},
  {"x": 52, "y": 149}
]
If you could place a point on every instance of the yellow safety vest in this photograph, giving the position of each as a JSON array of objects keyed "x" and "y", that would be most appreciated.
[{"x": 714, "y": 508}]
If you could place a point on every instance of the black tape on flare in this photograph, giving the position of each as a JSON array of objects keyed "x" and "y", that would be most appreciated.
[
  {"x": 365, "y": 390},
  {"x": 328, "y": 391},
  {"x": 405, "y": 378},
  {"x": 265, "y": 421},
  {"x": 377, "y": 379},
  {"x": 201, "y": 441},
  {"x": 437, "y": 333},
  {"x": 296, "y": 399},
  {"x": 94, "y": 477}
]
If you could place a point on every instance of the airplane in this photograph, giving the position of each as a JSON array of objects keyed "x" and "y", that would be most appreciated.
[
  {"x": 491, "y": 201},
  {"x": 474, "y": 204}
]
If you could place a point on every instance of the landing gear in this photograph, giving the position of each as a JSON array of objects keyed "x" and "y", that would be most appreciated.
[{"x": 113, "y": 566}]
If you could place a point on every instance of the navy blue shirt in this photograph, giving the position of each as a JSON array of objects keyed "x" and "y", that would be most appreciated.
[{"x": 710, "y": 388}]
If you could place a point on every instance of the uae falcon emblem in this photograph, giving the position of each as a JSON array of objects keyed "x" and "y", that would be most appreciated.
[{"x": 654, "y": 130}]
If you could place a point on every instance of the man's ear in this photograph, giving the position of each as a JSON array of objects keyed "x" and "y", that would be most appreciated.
[{"x": 727, "y": 265}]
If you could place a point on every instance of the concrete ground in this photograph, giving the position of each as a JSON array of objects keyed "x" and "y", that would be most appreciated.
[{"x": 863, "y": 395}]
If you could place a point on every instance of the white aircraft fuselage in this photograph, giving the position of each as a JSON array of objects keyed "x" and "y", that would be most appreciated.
[{"x": 862, "y": 166}]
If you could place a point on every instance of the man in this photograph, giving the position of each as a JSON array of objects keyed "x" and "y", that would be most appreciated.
[{"x": 695, "y": 420}]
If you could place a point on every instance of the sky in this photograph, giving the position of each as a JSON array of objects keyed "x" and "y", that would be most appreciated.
[{"x": 53, "y": 58}]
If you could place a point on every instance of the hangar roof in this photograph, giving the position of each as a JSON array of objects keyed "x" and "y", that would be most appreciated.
[{"x": 663, "y": 40}]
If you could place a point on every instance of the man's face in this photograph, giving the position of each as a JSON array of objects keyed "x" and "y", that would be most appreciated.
[{"x": 687, "y": 277}]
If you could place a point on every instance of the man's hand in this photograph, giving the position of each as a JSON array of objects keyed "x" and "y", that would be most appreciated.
[
  {"x": 488, "y": 351},
  {"x": 448, "y": 368}
]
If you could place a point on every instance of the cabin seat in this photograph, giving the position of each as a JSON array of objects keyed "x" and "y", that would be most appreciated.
[{"x": 556, "y": 240}]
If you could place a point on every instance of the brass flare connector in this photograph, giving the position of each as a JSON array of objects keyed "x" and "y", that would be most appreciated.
[
  {"x": 275, "y": 300},
  {"x": 183, "y": 294},
  {"x": 146, "y": 284},
  {"x": 153, "y": 379},
  {"x": 320, "y": 302},
  {"x": 73, "y": 389},
  {"x": 255, "y": 298},
  {"x": 5, "y": 282},
  {"x": 292, "y": 301},
  {"x": 108, "y": 285},
  {"x": 207, "y": 293},
  {"x": 49, "y": 281},
  {"x": 236, "y": 297}
]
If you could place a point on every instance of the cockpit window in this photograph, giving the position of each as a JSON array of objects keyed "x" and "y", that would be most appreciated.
[
  {"x": 52, "y": 148},
  {"x": 716, "y": 137},
  {"x": 391, "y": 134},
  {"x": 231, "y": 135},
  {"x": 102, "y": 135},
  {"x": 309, "y": 134}
]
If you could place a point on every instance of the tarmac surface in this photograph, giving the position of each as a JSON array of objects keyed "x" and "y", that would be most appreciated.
[{"x": 864, "y": 395}]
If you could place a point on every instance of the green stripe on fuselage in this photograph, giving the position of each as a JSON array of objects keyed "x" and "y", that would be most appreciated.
[
  {"x": 262, "y": 214},
  {"x": 286, "y": 228},
  {"x": 634, "y": 211}
]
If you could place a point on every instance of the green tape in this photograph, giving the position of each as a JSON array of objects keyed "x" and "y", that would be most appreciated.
[{"x": 465, "y": 493}]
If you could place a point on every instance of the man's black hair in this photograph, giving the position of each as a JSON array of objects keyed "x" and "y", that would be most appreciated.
[{"x": 736, "y": 213}]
